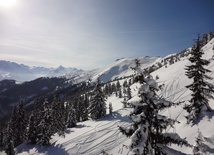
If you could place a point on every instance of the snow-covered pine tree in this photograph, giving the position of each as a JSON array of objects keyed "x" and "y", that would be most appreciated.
[
  {"x": 124, "y": 91},
  {"x": 71, "y": 118},
  {"x": 110, "y": 108},
  {"x": 137, "y": 65},
  {"x": 33, "y": 124},
  {"x": 32, "y": 130},
  {"x": 77, "y": 103},
  {"x": 204, "y": 145},
  {"x": 85, "y": 108},
  {"x": 18, "y": 124},
  {"x": 125, "y": 83},
  {"x": 118, "y": 86},
  {"x": 129, "y": 93},
  {"x": 9, "y": 140},
  {"x": 201, "y": 89},
  {"x": 198, "y": 148},
  {"x": 97, "y": 107},
  {"x": 113, "y": 88},
  {"x": 146, "y": 132},
  {"x": 107, "y": 90},
  {"x": 45, "y": 124},
  {"x": 58, "y": 115},
  {"x": 120, "y": 94}
]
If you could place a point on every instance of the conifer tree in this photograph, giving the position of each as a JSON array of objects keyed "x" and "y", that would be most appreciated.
[
  {"x": 118, "y": 86},
  {"x": 137, "y": 65},
  {"x": 18, "y": 124},
  {"x": 202, "y": 146},
  {"x": 198, "y": 148},
  {"x": 9, "y": 140},
  {"x": 125, "y": 83},
  {"x": 120, "y": 94},
  {"x": 124, "y": 91},
  {"x": 45, "y": 124},
  {"x": 201, "y": 89},
  {"x": 146, "y": 132},
  {"x": 9, "y": 146},
  {"x": 97, "y": 107},
  {"x": 58, "y": 116},
  {"x": 71, "y": 119},
  {"x": 106, "y": 89},
  {"x": 110, "y": 108},
  {"x": 32, "y": 131},
  {"x": 85, "y": 108},
  {"x": 130, "y": 82},
  {"x": 113, "y": 88},
  {"x": 77, "y": 106},
  {"x": 33, "y": 124},
  {"x": 129, "y": 93}
]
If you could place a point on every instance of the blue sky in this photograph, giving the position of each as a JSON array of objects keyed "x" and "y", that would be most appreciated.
[{"x": 90, "y": 34}]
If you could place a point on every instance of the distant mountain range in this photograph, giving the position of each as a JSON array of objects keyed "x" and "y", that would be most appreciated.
[
  {"x": 117, "y": 69},
  {"x": 21, "y": 72},
  {"x": 29, "y": 83}
]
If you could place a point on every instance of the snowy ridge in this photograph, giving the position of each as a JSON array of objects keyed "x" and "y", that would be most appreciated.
[{"x": 119, "y": 69}]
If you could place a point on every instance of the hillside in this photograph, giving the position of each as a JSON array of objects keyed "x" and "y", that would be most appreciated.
[
  {"x": 91, "y": 137},
  {"x": 118, "y": 69}
]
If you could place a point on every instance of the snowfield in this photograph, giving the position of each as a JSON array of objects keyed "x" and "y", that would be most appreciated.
[{"x": 92, "y": 137}]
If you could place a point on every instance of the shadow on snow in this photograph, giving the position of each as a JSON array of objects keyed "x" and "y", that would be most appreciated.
[
  {"x": 48, "y": 150},
  {"x": 204, "y": 115}
]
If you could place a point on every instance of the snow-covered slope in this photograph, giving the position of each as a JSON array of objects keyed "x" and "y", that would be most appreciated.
[
  {"x": 118, "y": 69},
  {"x": 20, "y": 72},
  {"x": 91, "y": 137},
  {"x": 121, "y": 68}
]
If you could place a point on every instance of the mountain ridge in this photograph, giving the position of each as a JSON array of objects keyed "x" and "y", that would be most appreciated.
[{"x": 22, "y": 72}]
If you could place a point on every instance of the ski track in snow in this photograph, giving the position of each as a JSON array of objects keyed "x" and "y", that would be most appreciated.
[{"x": 104, "y": 136}]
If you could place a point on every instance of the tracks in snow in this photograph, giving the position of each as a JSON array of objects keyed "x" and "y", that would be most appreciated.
[{"x": 104, "y": 136}]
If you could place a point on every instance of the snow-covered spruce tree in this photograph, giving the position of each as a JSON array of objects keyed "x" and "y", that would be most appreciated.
[
  {"x": 32, "y": 129},
  {"x": 120, "y": 94},
  {"x": 71, "y": 119},
  {"x": 18, "y": 124},
  {"x": 97, "y": 106},
  {"x": 9, "y": 142},
  {"x": 198, "y": 148},
  {"x": 203, "y": 145},
  {"x": 58, "y": 115},
  {"x": 8, "y": 139},
  {"x": 45, "y": 124},
  {"x": 137, "y": 65},
  {"x": 118, "y": 86},
  {"x": 129, "y": 93},
  {"x": 146, "y": 132},
  {"x": 77, "y": 104},
  {"x": 85, "y": 108},
  {"x": 34, "y": 120},
  {"x": 110, "y": 108},
  {"x": 201, "y": 89}
]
